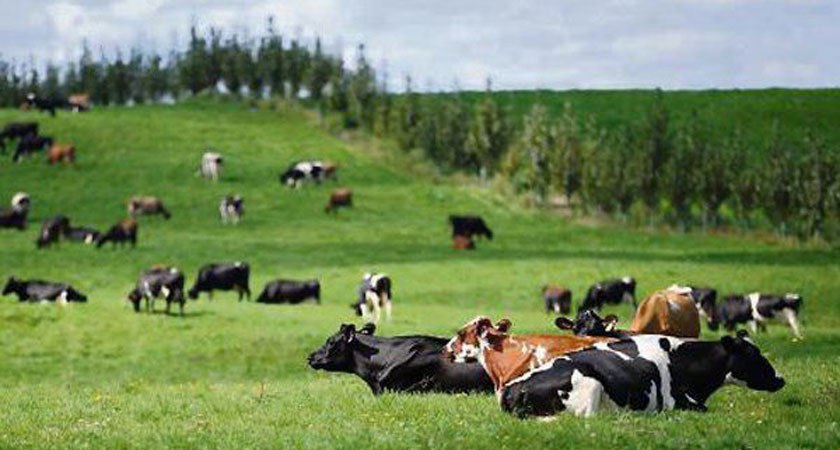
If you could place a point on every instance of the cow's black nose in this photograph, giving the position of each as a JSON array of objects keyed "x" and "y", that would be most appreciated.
[{"x": 778, "y": 383}]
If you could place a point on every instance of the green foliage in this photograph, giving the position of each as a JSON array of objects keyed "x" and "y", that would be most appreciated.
[{"x": 489, "y": 135}]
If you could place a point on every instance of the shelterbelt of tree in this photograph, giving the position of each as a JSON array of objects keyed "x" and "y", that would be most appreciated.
[{"x": 232, "y": 374}]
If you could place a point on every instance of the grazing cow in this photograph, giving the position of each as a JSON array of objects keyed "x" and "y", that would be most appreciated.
[
  {"x": 397, "y": 364},
  {"x": 31, "y": 143},
  {"x": 756, "y": 309},
  {"x": 14, "y": 130},
  {"x": 338, "y": 199},
  {"x": 43, "y": 104},
  {"x": 610, "y": 291},
  {"x": 124, "y": 231},
  {"x": 51, "y": 231},
  {"x": 147, "y": 205},
  {"x": 159, "y": 281},
  {"x": 211, "y": 165},
  {"x": 79, "y": 102},
  {"x": 82, "y": 234},
  {"x": 705, "y": 299},
  {"x": 231, "y": 209},
  {"x": 463, "y": 243},
  {"x": 557, "y": 299},
  {"x": 507, "y": 357},
  {"x": 667, "y": 312},
  {"x": 223, "y": 277},
  {"x": 469, "y": 226},
  {"x": 374, "y": 296},
  {"x": 589, "y": 323},
  {"x": 297, "y": 173},
  {"x": 330, "y": 171},
  {"x": 288, "y": 291},
  {"x": 15, "y": 217},
  {"x": 41, "y": 291},
  {"x": 61, "y": 153},
  {"x": 642, "y": 373}
]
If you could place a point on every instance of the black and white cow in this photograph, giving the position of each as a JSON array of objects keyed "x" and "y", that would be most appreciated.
[
  {"x": 641, "y": 373},
  {"x": 374, "y": 296},
  {"x": 756, "y": 309},
  {"x": 51, "y": 231},
  {"x": 157, "y": 282},
  {"x": 222, "y": 277},
  {"x": 401, "y": 363},
  {"x": 15, "y": 217},
  {"x": 82, "y": 234},
  {"x": 31, "y": 143},
  {"x": 470, "y": 226},
  {"x": 705, "y": 299},
  {"x": 45, "y": 104},
  {"x": 211, "y": 165},
  {"x": 231, "y": 209},
  {"x": 288, "y": 291},
  {"x": 302, "y": 171},
  {"x": 610, "y": 291},
  {"x": 589, "y": 323},
  {"x": 16, "y": 130},
  {"x": 42, "y": 291}
]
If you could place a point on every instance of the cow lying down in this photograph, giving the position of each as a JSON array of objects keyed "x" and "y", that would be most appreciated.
[
  {"x": 42, "y": 291},
  {"x": 641, "y": 373},
  {"x": 401, "y": 363}
]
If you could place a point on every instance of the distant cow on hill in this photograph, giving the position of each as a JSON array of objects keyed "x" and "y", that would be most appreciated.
[
  {"x": 147, "y": 205},
  {"x": 51, "y": 231},
  {"x": 15, "y": 217},
  {"x": 44, "y": 104},
  {"x": 557, "y": 299},
  {"x": 222, "y": 277},
  {"x": 231, "y": 209},
  {"x": 157, "y": 282},
  {"x": 211, "y": 165},
  {"x": 469, "y": 226},
  {"x": 610, "y": 291},
  {"x": 757, "y": 309},
  {"x": 374, "y": 296},
  {"x": 16, "y": 130},
  {"x": 122, "y": 232},
  {"x": 31, "y": 143},
  {"x": 301, "y": 171},
  {"x": 288, "y": 291},
  {"x": 340, "y": 198},
  {"x": 39, "y": 291}
]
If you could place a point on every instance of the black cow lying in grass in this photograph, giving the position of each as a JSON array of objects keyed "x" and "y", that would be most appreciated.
[
  {"x": 287, "y": 291},
  {"x": 86, "y": 235},
  {"x": 39, "y": 291},
  {"x": 159, "y": 281},
  {"x": 401, "y": 363},
  {"x": 51, "y": 231},
  {"x": 223, "y": 277},
  {"x": 15, "y": 130}
]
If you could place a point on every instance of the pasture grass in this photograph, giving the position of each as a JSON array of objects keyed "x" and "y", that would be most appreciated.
[{"x": 233, "y": 375}]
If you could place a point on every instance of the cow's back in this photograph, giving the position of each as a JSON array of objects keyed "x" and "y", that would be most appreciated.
[{"x": 667, "y": 313}]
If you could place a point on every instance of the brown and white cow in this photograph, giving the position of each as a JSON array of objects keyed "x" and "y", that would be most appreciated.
[
  {"x": 506, "y": 357},
  {"x": 147, "y": 205},
  {"x": 339, "y": 198},
  {"x": 61, "y": 153},
  {"x": 667, "y": 312}
]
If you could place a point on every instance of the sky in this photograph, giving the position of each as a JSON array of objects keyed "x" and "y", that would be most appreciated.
[{"x": 519, "y": 44}]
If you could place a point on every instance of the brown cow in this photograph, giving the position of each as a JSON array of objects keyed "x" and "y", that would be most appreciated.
[
  {"x": 61, "y": 153},
  {"x": 330, "y": 170},
  {"x": 339, "y": 198},
  {"x": 506, "y": 357},
  {"x": 460, "y": 242},
  {"x": 79, "y": 102},
  {"x": 557, "y": 299},
  {"x": 147, "y": 205},
  {"x": 667, "y": 312},
  {"x": 124, "y": 231}
]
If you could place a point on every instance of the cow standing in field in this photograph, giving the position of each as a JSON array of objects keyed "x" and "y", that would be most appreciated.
[
  {"x": 374, "y": 296},
  {"x": 397, "y": 364},
  {"x": 211, "y": 165},
  {"x": 231, "y": 209},
  {"x": 610, "y": 291},
  {"x": 469, "y": 226},
  {"x": 157, "y": 282},
  {"x": 301, "y": 171},
  {"x": 122, "y": 232},
  {"x": 51, "y": 231},
  {"x": 557, "y": 299},
  {"x": 79, "y": 102},
  {"x": 147, "y": 205},
  {"x": 16, "y": 130},
  {"x": 223, "y": 277},
  {"x": 61, "y": 153},
  {"x": 40, "y": 291},
  {"x": 15, "y": 217},
  {"x": 31, "y": 143},
  {"x": 44, "y": 104},
  {"x": 340, "y": 198},
  {"x": 642, "y": 373},
  {"x": 288, "y": 291},
  {"x": 757, "y": 309}
]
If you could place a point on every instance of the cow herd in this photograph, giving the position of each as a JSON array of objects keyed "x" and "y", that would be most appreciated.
[{"x": 29, "y": 141}]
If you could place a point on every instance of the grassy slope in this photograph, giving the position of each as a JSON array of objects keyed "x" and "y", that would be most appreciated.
[{"x": 233, "y": 375}]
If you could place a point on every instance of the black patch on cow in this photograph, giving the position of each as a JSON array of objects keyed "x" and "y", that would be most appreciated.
[
  {"x": 665, "y": 344},
  {"x": 621, "y": 346}
]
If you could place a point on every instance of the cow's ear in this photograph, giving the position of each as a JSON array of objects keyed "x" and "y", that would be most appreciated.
[
  {"x": 482, "y": 325},
  {"x": 348, "y": 331},
  {"x": 503, "y": 325},
  {"x": 368, "y": 329},
  {"x": 610, "y": 322},
  {"x": 728, "y": 343},
  {"x": 564, "y": 323}
]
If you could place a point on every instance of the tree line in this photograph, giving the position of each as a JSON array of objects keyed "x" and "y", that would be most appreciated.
[{"x": 658, "y": 169}]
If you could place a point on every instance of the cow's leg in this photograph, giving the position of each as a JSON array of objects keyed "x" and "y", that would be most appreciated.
[
  {"x": 181, "y": 307},
  {"x": 753, "y": 325},
  {"x": 365, "y": 313},
  {"x": 388, "y": 310},
  {"x": 790, "y": 315},
  {"x": 376, "y": 306},
  {"x": 168, "y": 306},
  {"x": 557, "y": 307}
]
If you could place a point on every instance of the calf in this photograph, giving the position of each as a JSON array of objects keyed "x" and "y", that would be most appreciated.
[
  {"x": 31, "y": 143},
  {"x": 589, "y": 323},
  {"x": 82, "y": 234},
  {"x": 297, "y": 173},
  {"x": 398, "y": 364},
  {"x": 667, "y": 312},
  {"x": 287, "y": 291},
  {"x": 339, "y": 198},
  {"x": 469, "y": 226},
  {"x": 223, "y": 277},
  {"x": 374, "y": 296},
  {"x": 40, "y": 291},
  {"x": 51, "y": 231},
  {"x": 147, "y": 205},
  {"x": 756, "y": 309},
  {"x": 61, "y": 153},
  {"x": 122, "y": 232},
  {"x": 557, "y": 299},
  {"x": 705, "y": 299},
  {"x": 159, "y": 281},
  {"x": 610, "y": 291},
  {"x": 15, "y": 130},
  {"x": 507, "y": 357},
  {"x": 231, "y": 209},
  {"x": 641, "y": 373},
  {"x": 211, "y": 165},
  {"x": 463, "y": 243}
]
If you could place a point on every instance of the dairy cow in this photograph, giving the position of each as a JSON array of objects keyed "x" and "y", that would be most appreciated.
[
  {"x": 558, "y": 299},
  {"x": 86, "y": 235},
  {"x": 157, "y": 282},
  {"x": 41, "y": 291},
  {"x": 288, "y": 291},
  {"x": 610, "y": 291},
  {"x": 705, "y": 299},
  {"x": 757, "y": 309},
  {"x": 223, "y": 277},
  {"x": 374, "y": 296},
  {"x": 124, "y": 231},
  {"x": 51, "y": 231},
  {"x": 231, "y": 209}
]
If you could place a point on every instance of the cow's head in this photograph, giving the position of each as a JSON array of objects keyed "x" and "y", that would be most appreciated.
[
  {"x": 337, "y": 353},
  {"x": 465, "y": 346},
  {"x": 134, "y": 297},
  {"x": 11, "y": 285},
  {"x": 748, "y": 367},
  {"x": 588, "y": 323},
  {"x": 193, "y": 293}
]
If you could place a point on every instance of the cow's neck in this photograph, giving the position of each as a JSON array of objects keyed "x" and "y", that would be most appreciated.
[
  {"x": 698, "y": 370},
  {"x": 506, "y": 360},
  {"x": 365, "y": 364}
]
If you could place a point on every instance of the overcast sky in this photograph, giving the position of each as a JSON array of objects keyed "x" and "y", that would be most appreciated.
[{"x": 558, "y": 44}]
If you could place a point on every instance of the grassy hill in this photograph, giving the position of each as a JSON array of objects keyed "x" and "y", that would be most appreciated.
[{"x": 233, "y": 375}]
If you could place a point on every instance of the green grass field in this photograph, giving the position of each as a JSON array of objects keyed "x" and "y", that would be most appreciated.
[{"x": 233, "y": 375}]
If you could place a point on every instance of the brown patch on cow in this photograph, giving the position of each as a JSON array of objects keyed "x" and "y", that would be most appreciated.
[
  {"x": 339, "y": 198},
  {"x": 61, "y": 153},
  {"x": 460, "y": 242},
  {"x": 331, "y": 170},
  {"x": 668, "y": 313}
]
